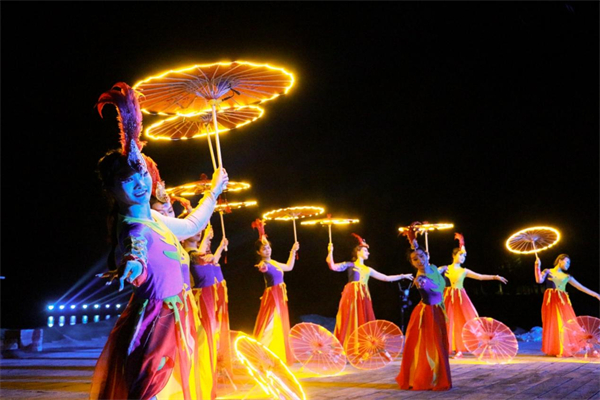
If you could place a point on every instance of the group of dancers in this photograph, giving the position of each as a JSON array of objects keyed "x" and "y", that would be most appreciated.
[{"x": 172, "y": 340}]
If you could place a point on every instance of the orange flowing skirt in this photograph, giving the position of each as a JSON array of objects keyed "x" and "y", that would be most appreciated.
[
  {"x": 272, "y": 326},
  {"x": 224, "y": 357},
  {"x": 355, "y": 309},
  {"x": 425, "y": 364},
  {"x": 207, "y": 353},
  {"x": 459, "y": 310},
  {"x": 556, "y": 313}
]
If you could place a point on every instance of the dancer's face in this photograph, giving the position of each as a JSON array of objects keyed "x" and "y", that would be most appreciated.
[
  {"x": 265, "y": 251},
  {"x": 165, "y": 209},
  {"x": 419, "y": 259},
  {"x": 460, "y": 257},
  {"x": 363, "y": 253},
  {"x": 564, "y": 264},
  {"x": 133, "y": 189}
]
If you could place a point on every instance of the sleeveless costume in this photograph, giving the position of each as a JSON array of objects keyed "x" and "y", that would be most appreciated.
[{"x": 459, "y": 308}]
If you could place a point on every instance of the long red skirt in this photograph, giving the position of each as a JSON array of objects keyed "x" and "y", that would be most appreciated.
[
  {"x": 425, "y": 364},
  {"x": 205, "y": 302},
  {"x": 272, "y": 326},
  {"x": 459, "y": 310},
  {"x": 224, "y": 356},
  {"x": 557, "y": 311},
  {"x": 354, "y": 310},
  {"x": 148, "y": 353}
]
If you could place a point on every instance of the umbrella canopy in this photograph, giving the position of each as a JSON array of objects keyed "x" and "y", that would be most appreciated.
[
  {"x": 198, "y": 187},
  {"x": 293, "y": 213},
  {"x": 226, "y": 207},
  {"x": 424, "y": 228},
  {"x": 533, "y": 240},
  {"x": 490, "y": 340},
  {"x": 374, "y": 345},
  {"x": 267, "y": 369},
  {"x": 194, "y": 89},
  {"x": 317, "y": 349},
  {"x": 585, "y": 330},
  {"x": 330, "y": 221},
  {"x": 199, "y": 125}
]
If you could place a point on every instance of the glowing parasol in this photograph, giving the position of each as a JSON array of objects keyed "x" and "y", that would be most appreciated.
[
  {"x": 533, "y": 240},
  {"x": 317, "y": 349},
  {"x": 293, "y": 213},
  {"x": 204, "y": 87},
  {"x": 490, "y": 340},
  {"x": 227, "y": 207},
  {"x": 424, "y": 227},
  {"x": 269, "y": 372},
  {"x": 329, "y": 222},
  {"x": 374, "y": 345},
  {"x": 198, "y": 125},
  {"x": 585, "y": 332}
]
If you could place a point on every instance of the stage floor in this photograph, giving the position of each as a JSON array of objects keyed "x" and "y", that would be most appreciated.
[{"x": 63, "y": 373}]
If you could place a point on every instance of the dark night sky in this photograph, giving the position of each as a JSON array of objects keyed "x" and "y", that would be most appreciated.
[{"x": 480, "y": 114}]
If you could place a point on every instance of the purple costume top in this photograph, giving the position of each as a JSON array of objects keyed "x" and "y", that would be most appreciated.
[
  {"x": 273, "y": 275},
  {"x": 163, "y": 262},
  {"x": 218, "y": 273},
  {"x": 356, "y": 273},
  {"x": 203, "y": 274},
  {"x": 431, "y": 287}
]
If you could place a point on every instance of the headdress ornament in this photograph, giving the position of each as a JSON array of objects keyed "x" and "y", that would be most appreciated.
[
  {"x": 361, "y": 242},
  {"x": 259, "y": 225}
]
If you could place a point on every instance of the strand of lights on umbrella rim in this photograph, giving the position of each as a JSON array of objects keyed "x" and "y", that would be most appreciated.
[
  {"x": 149, "y": 131},
  {"x": 222, "y": 63},
  {"x": 334, "y": 221},
  {"x": 527, "y": 230},
  {"x": 318, "y": 210},
  {"x": 231, "y": 187}
]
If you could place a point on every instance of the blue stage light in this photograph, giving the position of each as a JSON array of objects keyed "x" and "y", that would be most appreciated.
[
  {"x": 50, "y": 322},
  {"x": 72, "y": 307},
  {"x": 118, "y": 306},
  {"x": 96, "y": 306},
  {"x": 61, "y": 307},
  {"x": 107, "y": 306},
  {"x": 85, "y": 306},
  {"x": 50, "y": 308}
]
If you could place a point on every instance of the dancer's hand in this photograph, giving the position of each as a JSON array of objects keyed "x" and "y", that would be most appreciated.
[
  {"x": 407, "y": 276},
  {"x": 133, "y": 269},
  {"x": 295, "y": 247},
  {"x": 501, "y": 279},
  {"x": 219, "y": 181},
  {"x": 330, "y": 248}
]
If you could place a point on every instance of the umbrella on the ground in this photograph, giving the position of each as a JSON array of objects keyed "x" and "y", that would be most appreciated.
[
  {"x": 269, "y": 372},
  {"x": 490, "y": 340},
  {"x": 317, "y": 349},
  {"x": 585, "y": 330},
  {"x": 374, "y": 345}
]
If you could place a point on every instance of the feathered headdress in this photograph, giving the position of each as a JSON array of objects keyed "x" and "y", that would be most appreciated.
[
  {"x": 461, "y": 241},
  {"x": 185, "y": 203},
  {"x": 260, "y": 227},
  {"x": 411, "y": 234},
  {"x": 361, "y": 242},
  {"x": 125, "y": 99}
]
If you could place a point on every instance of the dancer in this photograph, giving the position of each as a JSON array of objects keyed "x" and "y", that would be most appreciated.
[
  {"x": 143, "y": 359},
  {"x": 458, "y": 305},
  {"x": 223, "y": 341},
  {"x": 557, "y": 310},
  {"x": 425, "y": 364},
  {"x": 272, "y": 326},
  {"x": 355, "y": 306}
]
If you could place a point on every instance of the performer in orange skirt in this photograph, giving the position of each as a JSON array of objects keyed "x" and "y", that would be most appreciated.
[
  {"x": 458, "y": 305},
  {"x": 272, "y": 326},
  {"x": 425, "y": 364},
  {"x": 355, "y": 306},
  {"x": 557, "y": 310}
]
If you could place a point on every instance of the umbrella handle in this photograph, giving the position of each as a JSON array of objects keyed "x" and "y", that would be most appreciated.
[
  {"x": 217, "y": 144},
  {"x": 534, "y": 249},
  {"x": 330, "y": 241},
  {"x": 223, "y": 227},
  {"x": 295, "y": 235},
  {"x": 212, "y": 153},
  {"x": 426, "y": 243}
]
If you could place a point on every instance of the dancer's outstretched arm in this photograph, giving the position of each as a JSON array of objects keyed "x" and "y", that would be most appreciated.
[
  {"x": 582, "y": 288},
  {"x": 483, "y": 277},
  {"x": 389, "y": 278}
]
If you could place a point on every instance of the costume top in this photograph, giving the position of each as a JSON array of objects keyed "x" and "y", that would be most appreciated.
[
  {"x": 431, "y": 287},
  {"x": 557, "y": 281}
]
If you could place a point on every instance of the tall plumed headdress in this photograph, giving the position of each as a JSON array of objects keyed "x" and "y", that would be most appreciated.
[
  {"x": 129, "y": 115},
  {"x": 361, "y": 242},
  {"x": 411, "y": 234},
  {"x": 461, "y": 241},
  {"x": 259, "y": 225}
]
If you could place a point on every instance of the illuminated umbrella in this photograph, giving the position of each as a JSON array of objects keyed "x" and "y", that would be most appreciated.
[
  {"x": 374, "y": 345},
  {"x": 329, "y": 222},
  {"x": 490, "y": 340},
  {"x": 424, "y": 228},
  {"x": 269, "y": 372},
  {"x": 585, "y": 334},
  {"x": 533, "y": 240},
  {"x": 200, "y": 88},
  {"x": 293, "y": 213},
  {"x": 199, "y": 125},
  {"x": 317, "y": 349},
  {"x": 204, "y": 184}
]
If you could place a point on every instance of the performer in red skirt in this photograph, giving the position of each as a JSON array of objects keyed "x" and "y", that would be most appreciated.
[
  {"x": 458, "y": 305},
  {"x": 272, "y": 326},
  {"x": 557, "y": 336},
  {"x": 425, "y": 364},
  {"x": 355, "y": 306}
]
